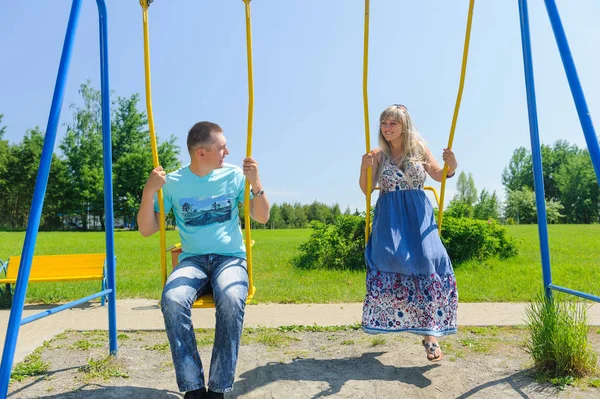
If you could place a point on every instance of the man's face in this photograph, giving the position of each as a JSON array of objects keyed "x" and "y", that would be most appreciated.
[{"x": 218, "y": 151}]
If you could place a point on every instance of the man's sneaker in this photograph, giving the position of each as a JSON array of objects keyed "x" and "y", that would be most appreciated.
[
  {"x": 214, "y": 395},
  {"x": 197, "y": 394}
]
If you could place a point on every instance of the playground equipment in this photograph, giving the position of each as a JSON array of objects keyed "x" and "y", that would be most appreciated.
[
  {"x": 206, "y": 300},
  {"x": 54, "y": 268},
  {"x": 584, "y": 118},
  {"x": 15, "y": 319},
  {"x": 582, "y": 111},
  {"x": 439, "y": 199}
]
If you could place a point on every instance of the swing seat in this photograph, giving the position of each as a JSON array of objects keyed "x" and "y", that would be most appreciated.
[{"x": 206, "y": 300}]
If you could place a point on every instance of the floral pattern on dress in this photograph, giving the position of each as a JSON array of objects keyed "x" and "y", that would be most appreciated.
[
  {"x": 420, "y": 304},
  {"x": 410, "y": 177}
]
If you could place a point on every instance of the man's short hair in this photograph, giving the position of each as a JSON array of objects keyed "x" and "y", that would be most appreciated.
[{"x": 201, "y": 135}]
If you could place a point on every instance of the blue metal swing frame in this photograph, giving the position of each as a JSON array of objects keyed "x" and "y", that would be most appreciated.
[
  {"x": 16, "y": 314},
  {"x": 15, "y": 320},
  {"x": 584, "y": 118}
]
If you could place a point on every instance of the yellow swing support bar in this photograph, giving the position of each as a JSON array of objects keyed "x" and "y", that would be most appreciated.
[
  {"x": 366, "y": 111},
  {"x": 439, "y": 200},
  {"x": 367, "y": 124},
  {"x": 205, "y": 300},
  {"x": 163, "y": 233},
  {"x": 461, "y": 86},
  {"x": 248, "y": 237}
]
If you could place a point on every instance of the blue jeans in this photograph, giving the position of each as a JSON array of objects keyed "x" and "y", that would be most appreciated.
[{"x": 193, "y": 277}]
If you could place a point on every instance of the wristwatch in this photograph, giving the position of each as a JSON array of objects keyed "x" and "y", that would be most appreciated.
[{"x": 258, "y": 194}]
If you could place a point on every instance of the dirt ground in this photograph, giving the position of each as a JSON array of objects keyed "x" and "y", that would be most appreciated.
[{"x": 301, "y": 363}]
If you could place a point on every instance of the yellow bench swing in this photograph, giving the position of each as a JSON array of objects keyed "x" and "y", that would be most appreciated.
[
  {"x": 205, "y": 301},
  {"x": 57, "y": 268},
  {"x": 439, "y": 199}
]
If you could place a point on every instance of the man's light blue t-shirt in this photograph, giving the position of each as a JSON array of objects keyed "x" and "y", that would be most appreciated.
[{"x": 206, "y": 210}]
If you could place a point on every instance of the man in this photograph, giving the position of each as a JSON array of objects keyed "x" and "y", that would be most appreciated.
[{"x": 204, "y": 196}]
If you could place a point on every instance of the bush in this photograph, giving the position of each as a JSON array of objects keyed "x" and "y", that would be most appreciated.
[
  {"x": 339, "y": 246},
  {"x": 458, "y": 209},
  {"x": 558, "y": 339},
  {"x": 467, "y": 239}
]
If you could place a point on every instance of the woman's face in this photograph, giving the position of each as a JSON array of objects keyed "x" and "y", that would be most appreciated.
[{"x": 391, "y": 129}]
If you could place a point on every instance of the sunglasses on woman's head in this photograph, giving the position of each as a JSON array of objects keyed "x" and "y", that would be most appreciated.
[{"x": 400, "y": 106}]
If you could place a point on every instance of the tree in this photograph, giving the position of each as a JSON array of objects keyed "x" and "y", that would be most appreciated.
[
  {"x": 4, "y": 157},
  {"x": 520, "y": 205},
  {"x": 336, "y": 211},
  {"x": 276, "y": 219},
  {"x": 132, "y": 156},
  {"x": 578, "y": 187},
  {"x": 54, "y": 203},
  {"x": 2, "y": 128},
  {"x": 76, "y": 183},
  {"x": 458, "y": 209},
  {"x": 319, "y": 211},
  {"x": 288, "y": 214},
  {"x": 82, "y": 147},
  {"x": 19, "y": 178},
  {"x": 570, "y": 185},
  {"x": 466, "y": 189},
  {"x": 519, "y": 173},
  {"x": 462, "y": 203},
  {"x": 553, "y": 211},
  {"x": 300, "y": 219},
  {"x": 488, "y": 206},
  {"x": 128, "y": 127},
  {"x": 553, "y": 158}
]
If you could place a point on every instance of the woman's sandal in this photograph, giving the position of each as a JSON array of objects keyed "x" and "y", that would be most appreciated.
[{"x": 431, "y": 347}]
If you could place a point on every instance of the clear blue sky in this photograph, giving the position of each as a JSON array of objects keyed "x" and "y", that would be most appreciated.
[{"x": 309, "y": 127}]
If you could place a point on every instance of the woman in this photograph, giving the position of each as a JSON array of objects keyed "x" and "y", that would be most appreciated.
[{"x": 410, "y": 280}]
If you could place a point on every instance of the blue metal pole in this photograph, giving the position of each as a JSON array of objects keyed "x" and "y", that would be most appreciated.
[
  {"x": 60, "y": 308},
  {"x": 576, "y": 90},
  {"x": 109, "y": 222},
  {"x": 575, "y": 293},
  {"x": 538, "y": 173},
  {"x": 37, "y": 203}
]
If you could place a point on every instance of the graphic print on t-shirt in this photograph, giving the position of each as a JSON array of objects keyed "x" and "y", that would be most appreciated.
[{"x": 205, "y": 211}]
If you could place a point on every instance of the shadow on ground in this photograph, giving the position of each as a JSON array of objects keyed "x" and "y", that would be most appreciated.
[
  {"x": 335, "y": 372},
  {"x": 519, "y": 382}
]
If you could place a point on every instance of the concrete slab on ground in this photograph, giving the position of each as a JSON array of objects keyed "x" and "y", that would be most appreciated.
[{"x": 144, "y": 314}]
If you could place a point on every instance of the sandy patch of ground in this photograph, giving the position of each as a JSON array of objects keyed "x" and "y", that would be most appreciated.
[{"x": 302, "y": 363}]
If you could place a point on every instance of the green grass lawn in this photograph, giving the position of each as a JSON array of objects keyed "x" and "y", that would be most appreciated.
[{"x": 575, "y": 254}]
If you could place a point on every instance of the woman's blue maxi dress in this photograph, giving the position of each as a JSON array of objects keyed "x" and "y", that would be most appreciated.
[{"x": 410, "y": 281}]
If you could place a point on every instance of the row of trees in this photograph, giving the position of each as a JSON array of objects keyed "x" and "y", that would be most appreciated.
[
  {"x": 571, "y": 188},
  {"x": 298, "y": 216},
  {"x": 519, "y": 207},
  {"x": 466, "y": 202},
  {"x": 75, "y": 187},
  {"x": 572, "y": 193}
]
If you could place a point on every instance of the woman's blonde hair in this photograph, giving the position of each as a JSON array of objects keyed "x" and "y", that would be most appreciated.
[{"x": 413, "y": 145}]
